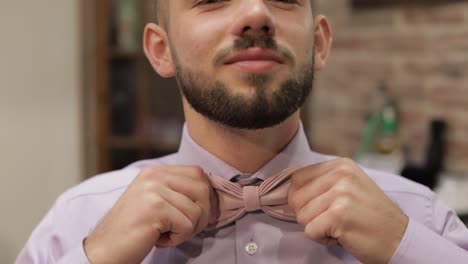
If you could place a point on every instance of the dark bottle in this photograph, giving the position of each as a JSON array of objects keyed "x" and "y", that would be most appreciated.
[
  {"x": 436, "y": 151},
  {"x": 434, "y": 163}
]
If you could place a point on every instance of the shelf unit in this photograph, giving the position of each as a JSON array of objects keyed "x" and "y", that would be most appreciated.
[{"x": 136, "y": 114}]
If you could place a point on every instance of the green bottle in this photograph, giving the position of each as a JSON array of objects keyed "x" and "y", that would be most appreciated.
[{"x": 387, "y": 141}]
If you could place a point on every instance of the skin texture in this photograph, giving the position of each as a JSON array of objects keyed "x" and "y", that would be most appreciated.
[{"x": 166, "y": 206}]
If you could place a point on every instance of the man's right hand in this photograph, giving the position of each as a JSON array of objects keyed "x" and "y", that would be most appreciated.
[{"x": 163, "y": 207}]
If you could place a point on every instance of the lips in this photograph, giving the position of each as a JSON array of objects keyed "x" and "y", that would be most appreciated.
[
  {"x": 254, "y": 60},
  {"x": 254, "y": 55}
]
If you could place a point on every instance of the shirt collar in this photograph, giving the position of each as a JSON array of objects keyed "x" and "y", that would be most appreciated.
[{"x": 296, "y": 153}]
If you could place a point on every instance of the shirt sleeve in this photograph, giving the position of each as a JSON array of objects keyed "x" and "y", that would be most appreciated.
[
  {"x": 444, "y": 239},
  {"x": 47, "y": 245}
]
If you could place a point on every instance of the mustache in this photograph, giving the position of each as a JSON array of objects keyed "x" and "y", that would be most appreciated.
[
  {"x": 249, "y": 41},
  {"x": 252, "y": 41}
]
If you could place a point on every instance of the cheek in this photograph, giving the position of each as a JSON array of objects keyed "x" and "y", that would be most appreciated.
[
  {"x": 196, "y": 46},
  {"x": 301, "y": 39},
  {"x": 295, "y": 30}
]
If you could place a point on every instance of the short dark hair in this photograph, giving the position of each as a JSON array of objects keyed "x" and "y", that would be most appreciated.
[
  {"x": 160, "y": 11},
  {"x": 155, "y": 10}
]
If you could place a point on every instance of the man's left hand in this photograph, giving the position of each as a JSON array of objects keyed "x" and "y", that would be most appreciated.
[{"x": 338, "y": 203}]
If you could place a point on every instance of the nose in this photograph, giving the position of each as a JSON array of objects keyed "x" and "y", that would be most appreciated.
[{"x": 253, "y": 17}]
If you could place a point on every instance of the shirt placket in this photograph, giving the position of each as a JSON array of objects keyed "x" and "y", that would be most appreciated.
[{"x": 247, "y": 247}]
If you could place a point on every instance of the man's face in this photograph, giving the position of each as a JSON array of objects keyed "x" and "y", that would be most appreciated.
[{"x": 243, "y": 63}]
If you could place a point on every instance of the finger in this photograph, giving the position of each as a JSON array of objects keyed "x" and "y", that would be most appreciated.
[
  {"x": 315, "y": 207},
  {"x": 193, "y": 172},
  {"x": 299, "y": 197},
  {"x": 189, "y": 180},
  {"x": 185, "y": 205},
  {"x": 214, "y": 206},
  {"x": 316, "y": 170},
  {"x": 198, "y": 192},
  {"x": 320, "y": 229},
  {"x": 195, "y": 190},
  {"x": 309, "y": 173},
  {"x": 193, "y": 182},
  {"x": 176, "y": 230}
]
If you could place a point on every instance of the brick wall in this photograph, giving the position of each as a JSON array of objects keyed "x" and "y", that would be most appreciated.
[{"x": 419, "y": 51}]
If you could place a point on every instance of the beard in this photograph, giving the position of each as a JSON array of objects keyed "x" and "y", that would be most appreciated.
[{"x": 216, "y": 101}]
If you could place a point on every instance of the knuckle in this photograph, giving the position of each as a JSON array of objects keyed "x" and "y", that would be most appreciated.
[
  {"x": 338, "y": 210},
  {"x": 342, "y": 189},
  {"x": 336, "y": 229},
  {"x": 187, "y": 228},
  {"x": 155, "y": 202},
  {"x": 204, "y": 189},
  {"x": 197, "y": 213},
  {"x": 294, "y": 184},
  {"x": 198, "y": 172},
  {"x": 152, "y": 169},
  {"x": 148, "y": 187},
  {"x": 145, "y": 173},
  {"x": 342, "y": 171},
  {"x": 344, "y": 202},
  {"x": 293, "y": 202},
  {"x": 152, "y": 174},
  {"x": 161, "y": 178},
  {"x": 161, "y": 225},
  {"x": 347, "y": 161},
  {"x": 294, "y": 177},
  {"x": 302, "y": 218},
  {"x": 345, "y": 165},
  {"x": 311, "y": 232}
]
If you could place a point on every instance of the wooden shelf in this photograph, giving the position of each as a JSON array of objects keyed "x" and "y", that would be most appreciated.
[
  {"x": 123, "y": 91},
  {"x": 118, "y": 54},
  {"x": 122, "y": 142}
]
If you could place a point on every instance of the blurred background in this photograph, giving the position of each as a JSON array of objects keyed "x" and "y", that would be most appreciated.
[{"x": 78, "y": 98}]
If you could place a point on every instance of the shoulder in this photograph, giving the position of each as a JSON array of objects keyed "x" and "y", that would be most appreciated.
[
  {"x": 414, "y": 199},
  {"x": 111, "y": 184},
  {"x": 101, "y": 185},
  {"x": 391, "y": 183},
  {"x": 80, "y": 208}
]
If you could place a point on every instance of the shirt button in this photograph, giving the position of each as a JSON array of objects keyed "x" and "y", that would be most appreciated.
[{"x": 251, "y": 248}]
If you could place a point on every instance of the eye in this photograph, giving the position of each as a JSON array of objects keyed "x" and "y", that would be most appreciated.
[
  {"x": 286, "y": 4},
  {"x": 208, "y": 2},
  {"x": 288, "y": 1}
]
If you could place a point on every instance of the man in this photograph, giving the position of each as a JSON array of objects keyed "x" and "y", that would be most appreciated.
[{"x": 245, "y": 67}]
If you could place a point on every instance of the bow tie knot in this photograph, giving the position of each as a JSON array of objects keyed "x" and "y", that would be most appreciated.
[
  {"x": 271, "y": 196},
  {"x": 251, "y": 197}
]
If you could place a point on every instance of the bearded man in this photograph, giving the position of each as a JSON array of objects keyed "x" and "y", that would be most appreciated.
[{"x": 244, "y": 186}]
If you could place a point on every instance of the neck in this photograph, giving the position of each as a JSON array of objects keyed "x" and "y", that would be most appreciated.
[{"x": 245, "y": 150}]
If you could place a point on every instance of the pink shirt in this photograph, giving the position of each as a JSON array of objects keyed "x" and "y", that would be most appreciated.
[{"x": 435, "y": 234}]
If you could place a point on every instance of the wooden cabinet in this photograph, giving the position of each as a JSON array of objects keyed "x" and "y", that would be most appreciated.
[{"x": 135, "y": 113}]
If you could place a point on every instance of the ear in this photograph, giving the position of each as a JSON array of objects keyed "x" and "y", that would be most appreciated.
[
  {"x": 323, "y": 41},
  {"x": 157, "y": 50}
]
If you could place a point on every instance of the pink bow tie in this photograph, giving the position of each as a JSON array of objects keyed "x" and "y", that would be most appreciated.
[{"x": 236, "y": 200}]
